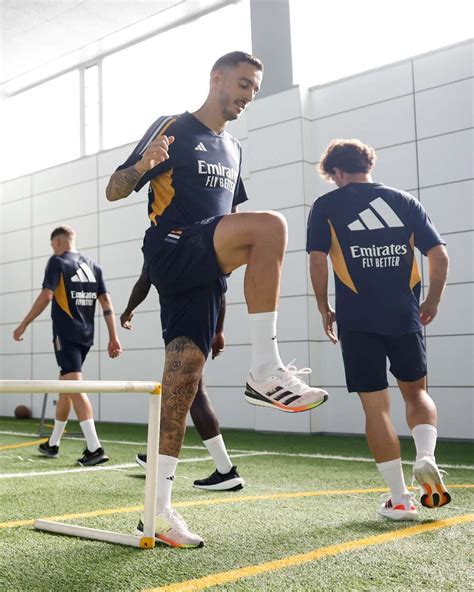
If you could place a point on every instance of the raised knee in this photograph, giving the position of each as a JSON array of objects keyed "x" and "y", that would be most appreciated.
[{"x": 274, "y": 224}]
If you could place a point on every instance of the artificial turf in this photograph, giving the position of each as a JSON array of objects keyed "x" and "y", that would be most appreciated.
[{"x": 248, "y": 529}]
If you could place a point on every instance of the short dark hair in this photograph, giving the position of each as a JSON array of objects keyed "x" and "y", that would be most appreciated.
[
  {"x": 234, "y": 58},
  {"x": 63, "y": 230},
  {"x": 351, "y": 156}
]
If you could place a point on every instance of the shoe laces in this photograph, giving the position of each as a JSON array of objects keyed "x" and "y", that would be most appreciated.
[
  {"x": 291, "y": 375},
  {"x": 384, "y": 497},
  {"x": 176, "y": 520}
]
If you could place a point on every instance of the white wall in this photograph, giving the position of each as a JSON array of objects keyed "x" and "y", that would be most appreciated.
[{"x": 417, "y": 114}]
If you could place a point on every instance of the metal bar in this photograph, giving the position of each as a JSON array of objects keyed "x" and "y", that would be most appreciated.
[
  {"x": 152, "y": 451},
  {"x": 89, "y": 533},
  {"x": 78, "y": 386},
  {"x": 43, "y": 413}
]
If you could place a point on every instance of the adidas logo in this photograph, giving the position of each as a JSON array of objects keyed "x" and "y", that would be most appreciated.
[
  {"x": 201, "y": 147},
  {"x": 84, "y": 274},
  {"x": 386, "y": 217}
]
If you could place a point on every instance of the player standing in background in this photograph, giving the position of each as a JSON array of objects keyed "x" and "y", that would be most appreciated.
[
  {"x": 371, "y": 231},
  {"x": 225, "y": 477},
  {"x": 73, "y": 283}
]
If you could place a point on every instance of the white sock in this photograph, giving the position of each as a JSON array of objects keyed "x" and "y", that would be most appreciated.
[
  {"x": 265, "y": 354},
  {"x": 392, "y": 474},
  {"x": 218, "y": 451},
  {"x": 58, "y": 431},
  {"x": 88, "y": 429},
  {"x": 166, "y": 470},
  {"x": 425, "y": 436}
]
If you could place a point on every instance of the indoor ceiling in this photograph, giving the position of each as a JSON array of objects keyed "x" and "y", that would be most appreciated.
[{"x": 38, "y": 33}]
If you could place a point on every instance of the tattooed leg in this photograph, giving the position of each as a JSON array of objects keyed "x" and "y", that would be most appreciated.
[{"x": 184, "y": 363}]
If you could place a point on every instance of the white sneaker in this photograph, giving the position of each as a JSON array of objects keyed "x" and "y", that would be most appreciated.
[
  {"x": 432, "y": 489},
  {"x": 403, "y": 510},
  {"x": 171, "y": 529},
  {"x": 284, "y": 390}
]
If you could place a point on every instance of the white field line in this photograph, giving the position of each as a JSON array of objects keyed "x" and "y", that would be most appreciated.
[
  {"x": 85, "y": 470},
  {"x": 343, "y": 458},
  {"x": 273, "y": 453}
]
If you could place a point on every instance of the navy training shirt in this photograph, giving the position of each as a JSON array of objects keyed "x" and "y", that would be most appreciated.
[
  {"x": 370, "y": 232},
  {"x": 200, "y": 180},
  {"x": 76, "y": 282}
]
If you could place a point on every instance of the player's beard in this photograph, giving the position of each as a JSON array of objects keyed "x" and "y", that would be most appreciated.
[{"x": 228, "y": 112}]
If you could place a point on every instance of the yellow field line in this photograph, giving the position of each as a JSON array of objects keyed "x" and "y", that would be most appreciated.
[
  {"x": 213, "y": 502},
  {"x": 23, "y": 444},
  {"x": 294, "y": 560}
]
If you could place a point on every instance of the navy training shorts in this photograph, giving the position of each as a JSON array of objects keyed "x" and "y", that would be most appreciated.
[
  {"x": 69, "y": 356},
  {"x": 365, "y": 359},
  {"x": 183, "y": 267}
]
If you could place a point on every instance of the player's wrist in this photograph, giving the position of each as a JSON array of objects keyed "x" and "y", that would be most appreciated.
[{"x": 140, "y": 167}]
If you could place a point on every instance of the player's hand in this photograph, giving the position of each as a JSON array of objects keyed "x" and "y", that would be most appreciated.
[
  {"x": 18, "y": 332},
  {"x": 428, "y": 311},
  {"x": 126, "y": 319},
  {"x": 155, "y": 154},
  {"x": 114, "y": 348},
  {"x": 329, "y": 318},
  {"x": 217, "y": 345}
]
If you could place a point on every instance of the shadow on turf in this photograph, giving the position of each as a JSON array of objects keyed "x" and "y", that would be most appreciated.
[{"x": 380, "y": 525}]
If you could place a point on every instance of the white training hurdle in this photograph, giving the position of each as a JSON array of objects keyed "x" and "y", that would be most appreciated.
[{"x": 147, "y": 540}]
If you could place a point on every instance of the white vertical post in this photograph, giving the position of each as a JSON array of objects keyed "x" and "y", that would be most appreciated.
[{"x": 152, "y": 451}]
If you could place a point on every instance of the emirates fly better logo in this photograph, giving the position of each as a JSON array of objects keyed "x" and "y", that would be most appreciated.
[{"x": 379, "y": 215}]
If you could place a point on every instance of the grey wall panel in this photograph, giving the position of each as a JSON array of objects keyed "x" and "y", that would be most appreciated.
[
  {"x": 70, "y": 173},
  {"x": 373, "y": 124},
  {"x": 16, "y": 245},
  {"x": 16, "y": 215},
  {"x": 16, "y": 189},
  {"x": 455, "y": 198},
  {"x": 14, "y": 306},
  {"x": 445, "y": 109},
  {"x": 444, "y": 66},
  {"x": 446, "y": 159},
  {"x": 450, "y": 360},
  {"x": 358, "y": 91}
]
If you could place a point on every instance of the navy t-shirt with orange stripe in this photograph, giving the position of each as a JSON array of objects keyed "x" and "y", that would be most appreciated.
[
  {"x": 200, "y": 180},
  {"x": 76, "y": 282},
  {"x": 370, "y": 232}
]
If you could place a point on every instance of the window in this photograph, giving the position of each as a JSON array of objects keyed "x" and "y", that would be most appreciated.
[
  {"x": 41, "y": 126},
  {"x": 91, "y": 110},
  {"x": 331, "y": 40},
  {"x": 168, "y": 73}
]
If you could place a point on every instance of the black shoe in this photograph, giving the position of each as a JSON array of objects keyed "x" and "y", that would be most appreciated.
[
  {"x": 90, "y": 459},
  {"x": 47, "y": 450},
  {"x": 141, "y": 460},
  {"x": 230, "y": 481}
]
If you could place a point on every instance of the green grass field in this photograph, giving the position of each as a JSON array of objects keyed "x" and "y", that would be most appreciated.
[{"x": 303, "y": 521}]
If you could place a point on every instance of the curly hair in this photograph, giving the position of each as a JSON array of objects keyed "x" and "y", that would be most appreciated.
[{"x": 351, "y": 156}]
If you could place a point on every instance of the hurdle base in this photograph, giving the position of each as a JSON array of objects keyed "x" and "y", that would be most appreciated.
[{"x": 118, "y": 538}]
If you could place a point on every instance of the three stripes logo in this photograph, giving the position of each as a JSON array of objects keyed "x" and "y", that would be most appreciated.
[
  {"x": 200, "y": 147},
  {"x": 83, "y": 274},
  {"x": 378, "y": 215}
]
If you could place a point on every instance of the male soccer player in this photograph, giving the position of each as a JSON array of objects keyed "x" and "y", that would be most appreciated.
[
  {"x": 371, "y": 231},
  {"x": 194, "y": 169},
  {"x": 73, "y": 283},
  {"x": 225, "y": 477}
]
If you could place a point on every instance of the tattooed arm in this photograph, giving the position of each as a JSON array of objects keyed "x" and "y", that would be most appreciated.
[{"x": 123, "y": 182}]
